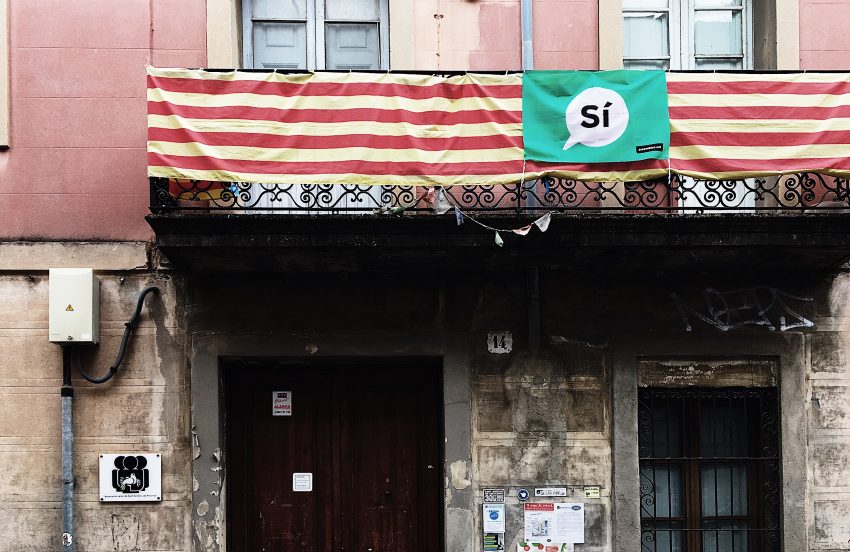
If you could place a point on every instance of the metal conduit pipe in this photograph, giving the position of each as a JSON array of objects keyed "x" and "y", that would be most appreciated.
[
  {"x": 526, "y": 20},
  {"x": 67, "y": 394},
  {"x": 526, "y": 16}
]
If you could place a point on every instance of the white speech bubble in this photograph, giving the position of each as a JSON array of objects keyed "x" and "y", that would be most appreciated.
[{"x": 596, "y": 117}]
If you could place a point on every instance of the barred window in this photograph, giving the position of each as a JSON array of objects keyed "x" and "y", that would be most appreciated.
[{"x": 709, "y": 470}]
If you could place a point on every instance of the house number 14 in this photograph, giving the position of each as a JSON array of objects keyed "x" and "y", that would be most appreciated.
[{"x": 500, "y": 343}]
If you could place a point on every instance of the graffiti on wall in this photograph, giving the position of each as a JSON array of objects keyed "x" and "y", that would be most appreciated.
[{"x": 755, "y": 306}]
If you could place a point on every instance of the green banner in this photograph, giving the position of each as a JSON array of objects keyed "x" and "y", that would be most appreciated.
[{"x": 595, "y": 117}]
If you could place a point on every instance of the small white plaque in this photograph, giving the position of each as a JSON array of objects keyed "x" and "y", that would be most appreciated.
[
  {"x": 500, "y": 343},
  {"x": 591, "y": 491},
  {"x": 494, "y": 495},
  {"x": 130, "y": 477},
  {"x": 281, "y": 403},
  {"x": 551, "y": 491},
  {"x": 302, "y": 482}
]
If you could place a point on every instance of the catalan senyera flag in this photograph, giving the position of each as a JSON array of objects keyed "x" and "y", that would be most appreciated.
[
  {"x": 738, "y": 125},
  {"x": 404, "y": 129},
  {"x": 347, "y": 128}
]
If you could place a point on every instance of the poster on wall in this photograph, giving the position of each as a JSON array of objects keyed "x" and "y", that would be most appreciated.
[
  {"x": 494, "y": 518},
  {"x": 494, "y": 542},
  {"x": 548, "y": 522},
  {"x": 527, "y": 546}
]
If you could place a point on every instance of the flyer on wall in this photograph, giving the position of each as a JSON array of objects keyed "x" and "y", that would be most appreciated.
[
  {"x": 548, "y": 522},
  {"x": 528, "y": 546}
]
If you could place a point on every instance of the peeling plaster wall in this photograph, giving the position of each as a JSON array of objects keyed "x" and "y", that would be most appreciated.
[
  {"x": 145, "y": 408},
  {"x": 528, "y": 419},
  {"x": 543, "y": 420},
  {"x": 522, "y": 419},
  {"x": 828, "y": 379}
]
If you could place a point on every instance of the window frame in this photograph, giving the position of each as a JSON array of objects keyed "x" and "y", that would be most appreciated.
[
  {"x": 760, "y": 404},
  {"x": 682, "y": 35},
  {"x": 315, "y": 33},
  {"x": 633, "y": 354}
]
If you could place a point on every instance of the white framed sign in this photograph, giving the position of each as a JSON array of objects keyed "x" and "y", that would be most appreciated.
[
  {"x": 550, "y": 491},
  {"x": 302, "y": 482},
  {"x": 281, "y": 403},
  {"x": 130, "y": 477}
]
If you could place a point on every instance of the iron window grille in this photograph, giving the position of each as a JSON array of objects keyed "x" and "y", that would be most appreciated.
[{"x": 710, "y": 470}]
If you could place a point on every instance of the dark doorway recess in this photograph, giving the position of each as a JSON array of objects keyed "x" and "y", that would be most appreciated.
[{"x": 369, "y": 432}]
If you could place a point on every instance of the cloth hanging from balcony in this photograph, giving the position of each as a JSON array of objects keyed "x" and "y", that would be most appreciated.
[
  {"x": 593, "y": 117},
  {"x": 738, "y": 125},
  {"x": 402, "y": 129}
]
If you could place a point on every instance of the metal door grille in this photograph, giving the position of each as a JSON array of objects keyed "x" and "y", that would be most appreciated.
[{"x": 709, "y": 470}]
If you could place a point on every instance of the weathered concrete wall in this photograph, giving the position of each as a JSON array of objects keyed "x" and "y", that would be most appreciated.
[
  {"x": 828, "y": 378},
  {"x": 545, "y": 418},
  {"x": 145, "y": 408},
  {"x": 522, "y": 419}
]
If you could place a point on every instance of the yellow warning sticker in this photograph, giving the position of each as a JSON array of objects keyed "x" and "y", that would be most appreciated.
[{"x": 69, "y": 308}]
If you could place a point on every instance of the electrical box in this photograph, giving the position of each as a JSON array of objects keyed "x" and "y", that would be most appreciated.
[{"x": 74, "y": 306}]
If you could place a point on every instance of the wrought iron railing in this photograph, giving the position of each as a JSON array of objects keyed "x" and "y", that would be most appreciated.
[{"x": 800, "y": 192}]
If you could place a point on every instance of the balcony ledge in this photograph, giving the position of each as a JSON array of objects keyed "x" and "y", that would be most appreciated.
[{"x": 423, "y": 243}]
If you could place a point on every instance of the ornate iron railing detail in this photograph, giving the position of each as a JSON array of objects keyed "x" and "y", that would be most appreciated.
[{"x": 810, "y": 192}]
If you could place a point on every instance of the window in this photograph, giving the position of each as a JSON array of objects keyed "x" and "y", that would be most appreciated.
[
  {"x": 316, "y": 34},
  {"x": 687, "y": 34},
  {"x": 709, "y": 470}
]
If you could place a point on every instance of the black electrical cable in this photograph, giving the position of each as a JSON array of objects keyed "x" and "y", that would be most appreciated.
[{"x": 128, "y": 328}]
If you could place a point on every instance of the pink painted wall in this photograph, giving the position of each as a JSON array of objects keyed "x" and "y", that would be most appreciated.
[
  {"x": 485, "y": 35},
  {"x": 76, "y": 166},
  {"x": 566, "y": 34},
  {"x": 824, "y": 40}
]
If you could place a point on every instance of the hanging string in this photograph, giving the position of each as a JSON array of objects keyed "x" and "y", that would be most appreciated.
[{"x": 542, "y": 222}]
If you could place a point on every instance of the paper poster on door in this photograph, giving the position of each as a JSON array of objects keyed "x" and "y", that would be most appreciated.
[
  {"x": 281, "y": 403},
  {"x": 548, "y": 522}
]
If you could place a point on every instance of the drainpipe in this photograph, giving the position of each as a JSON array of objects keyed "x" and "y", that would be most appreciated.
[
  {"x": 67, "y": 394},
  {"x": 527, "y": 41},
  {"x": 533, "y": 290},
  {"x": 526, "y": 17}
]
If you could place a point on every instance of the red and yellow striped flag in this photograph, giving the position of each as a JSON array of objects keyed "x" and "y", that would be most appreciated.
[
  {"x": 738, "y": 125},
  {"x": 397, "y": 129},
  {"x": 347, "y": 128}
]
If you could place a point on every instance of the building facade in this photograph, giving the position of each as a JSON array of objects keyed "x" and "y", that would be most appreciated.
[{"x": 683, "y": 377}]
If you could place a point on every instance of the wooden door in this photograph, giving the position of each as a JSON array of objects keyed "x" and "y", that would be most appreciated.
[{"x": 369, "y": 435}]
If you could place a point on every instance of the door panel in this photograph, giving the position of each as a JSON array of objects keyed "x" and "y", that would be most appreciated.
[{"x": 369, "y": 434}]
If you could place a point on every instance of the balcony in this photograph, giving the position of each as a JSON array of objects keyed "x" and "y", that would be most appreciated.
[
  {"x": 801, "y": 193},
  {"x": 269, "y": 171},
  {"x": 798, "y": 222}
]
